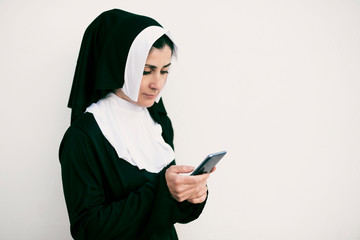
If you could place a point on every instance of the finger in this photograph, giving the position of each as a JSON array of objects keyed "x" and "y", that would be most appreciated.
[
  {"x": 184, "y": 193},
  {"x": 197, "y": 192},
  {"x": 195, "y": 180},
  {"x": 193, "y": 192},
  {"x": 198, "y": 200},
  {"x": 181, "y": 169},
  {"x": 186, "y": 179},
  {"x": 186, "y": 190},
  {"x": 213, "y": 170}
]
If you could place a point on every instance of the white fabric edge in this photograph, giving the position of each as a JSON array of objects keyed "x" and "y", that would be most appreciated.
[{"x": 136, "y": 60}]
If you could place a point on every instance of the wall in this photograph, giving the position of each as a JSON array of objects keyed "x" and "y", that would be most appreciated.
[{"x": 275, "y": 83}]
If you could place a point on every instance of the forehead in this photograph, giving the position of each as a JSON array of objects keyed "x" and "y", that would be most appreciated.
[{"x": 162, "y": 55}]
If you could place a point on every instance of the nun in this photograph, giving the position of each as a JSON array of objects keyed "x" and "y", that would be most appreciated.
[{"x": 119, "y": 176}]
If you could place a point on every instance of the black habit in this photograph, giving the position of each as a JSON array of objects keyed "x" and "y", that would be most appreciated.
[{"x": 108, "y": 198}]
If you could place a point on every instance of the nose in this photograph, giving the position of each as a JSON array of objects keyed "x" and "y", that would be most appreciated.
[{"x": 156, "y": 81}]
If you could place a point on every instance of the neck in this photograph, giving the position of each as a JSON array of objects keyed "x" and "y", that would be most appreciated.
[{"x": 118, "y": 92}]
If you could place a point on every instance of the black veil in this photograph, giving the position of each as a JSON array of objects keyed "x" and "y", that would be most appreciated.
[{"x": 102, "y": 58}]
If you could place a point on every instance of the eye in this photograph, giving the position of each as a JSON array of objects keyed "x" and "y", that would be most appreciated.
[
  {"x": 146, "y": 72},
  {"x": 164, "y": 72}
]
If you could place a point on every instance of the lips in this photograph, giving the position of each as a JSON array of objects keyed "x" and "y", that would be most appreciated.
[{"x": 150, "y": 96}]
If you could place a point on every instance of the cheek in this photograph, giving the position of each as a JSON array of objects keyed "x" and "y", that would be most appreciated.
[
  {"x": 144, "y": 83},
  {"x": 164, "y": 80}
]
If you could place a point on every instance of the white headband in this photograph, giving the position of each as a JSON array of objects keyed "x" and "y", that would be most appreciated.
[{"x": 136, "y": 60}]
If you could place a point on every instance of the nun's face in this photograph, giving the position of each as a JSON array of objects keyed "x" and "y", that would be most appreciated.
[{"x": 154, "y": 75}]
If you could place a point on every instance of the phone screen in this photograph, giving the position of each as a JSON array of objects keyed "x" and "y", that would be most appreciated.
[{"x": 209, "y": 163}]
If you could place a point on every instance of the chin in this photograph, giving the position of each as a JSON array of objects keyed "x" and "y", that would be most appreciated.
[
  {"x": 150, "y": 104},
  {"x": 146, "y": 104}
]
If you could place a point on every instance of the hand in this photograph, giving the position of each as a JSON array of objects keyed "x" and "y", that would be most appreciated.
[
  {"x": 190, "y": 188},
  {"x": 200, "y": 197}
]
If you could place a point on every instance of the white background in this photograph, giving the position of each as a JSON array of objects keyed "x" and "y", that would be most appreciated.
[{"x": 275, "y": 83}]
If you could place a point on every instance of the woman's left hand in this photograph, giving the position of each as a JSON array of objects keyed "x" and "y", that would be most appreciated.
[
  {"x": 190, "y": 188},
  {"x": 200, "y": 196}
]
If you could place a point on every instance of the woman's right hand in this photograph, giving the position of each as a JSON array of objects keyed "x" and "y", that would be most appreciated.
[{"x": 182, "y": 187}]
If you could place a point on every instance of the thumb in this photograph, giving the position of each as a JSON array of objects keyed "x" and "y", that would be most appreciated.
[{"x": 181, "y": 169}]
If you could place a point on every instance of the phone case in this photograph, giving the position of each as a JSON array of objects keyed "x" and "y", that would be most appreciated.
[{"x": 209, "y": 163}]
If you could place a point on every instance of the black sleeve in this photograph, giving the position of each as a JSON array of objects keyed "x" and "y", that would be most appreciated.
[{"x": 148, "y": 209}]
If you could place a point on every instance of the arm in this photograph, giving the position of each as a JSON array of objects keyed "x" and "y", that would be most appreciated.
[{"x": 149, "y": 208}]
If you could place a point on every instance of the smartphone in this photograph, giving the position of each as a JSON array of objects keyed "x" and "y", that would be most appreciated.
[{"x": 209, "y": 163}]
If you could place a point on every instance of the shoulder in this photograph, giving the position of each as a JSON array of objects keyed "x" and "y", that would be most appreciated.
[
  {"x": 86, "y": 123},
  {"x": 82, "y": 132}
]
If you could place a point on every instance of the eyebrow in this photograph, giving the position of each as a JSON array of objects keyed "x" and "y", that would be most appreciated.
[{"x": 154, "y": 67}]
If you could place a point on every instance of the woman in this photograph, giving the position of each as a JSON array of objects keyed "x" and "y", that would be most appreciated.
[{"x": 119, "y": 176}]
